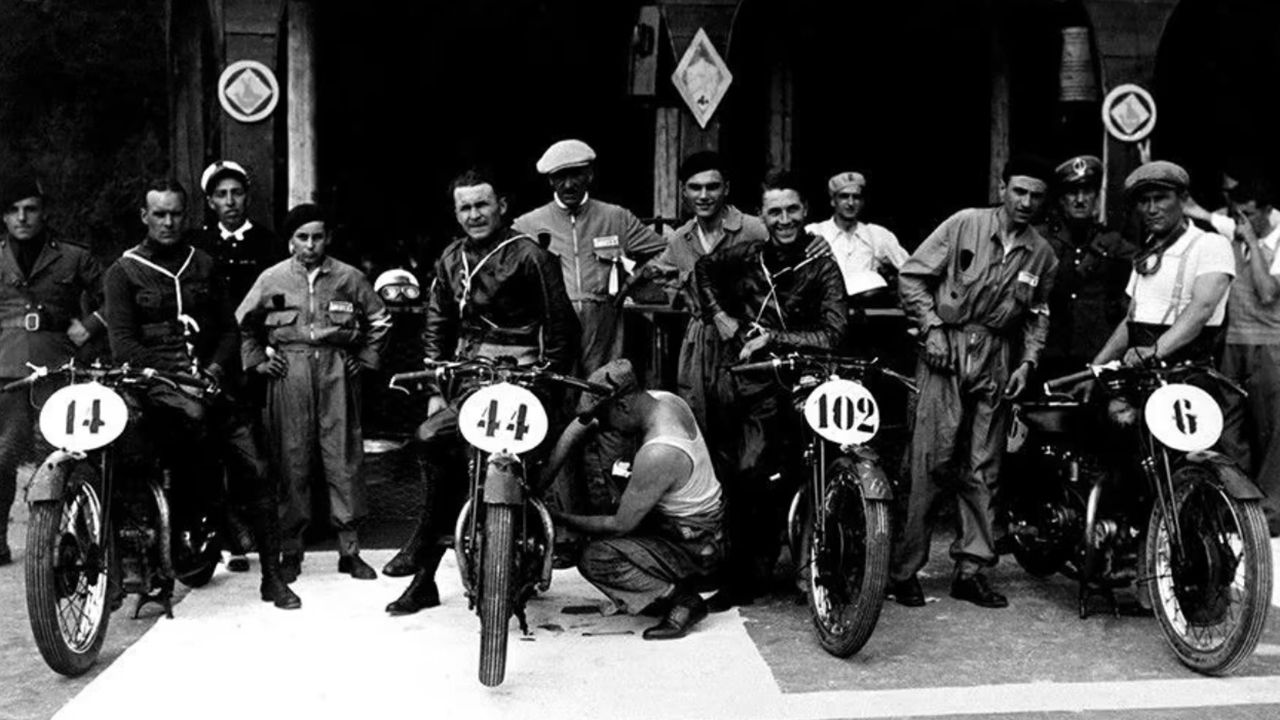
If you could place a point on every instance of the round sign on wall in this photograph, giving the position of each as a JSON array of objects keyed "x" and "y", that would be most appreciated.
[
  {"x": 83, "y": 417},
  {"x": 1129, "y": 113},
  {"x": 1184, "y": 417},
  {"x": 248, "y": 90}
]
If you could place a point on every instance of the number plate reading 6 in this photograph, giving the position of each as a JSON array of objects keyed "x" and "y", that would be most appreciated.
[
  {"x": 503, "y": 417},
  {"x": 843, "y": 412},
  {"x": 1184, "y": 417},
  {"x": 83, "y": 417}
]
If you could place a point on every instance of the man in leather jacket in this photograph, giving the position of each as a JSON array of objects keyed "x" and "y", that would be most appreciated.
[
  {"x": 166, "y": 309},
  {"x": 495, "y": 293},
  {"x": 765, "y": 296}
]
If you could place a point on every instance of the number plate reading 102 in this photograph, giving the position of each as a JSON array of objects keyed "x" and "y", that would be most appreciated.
[
  {"x": 83, "y": 417},
  {"x": 843, "y": 412},
  {"x": 503, "y": 417}
]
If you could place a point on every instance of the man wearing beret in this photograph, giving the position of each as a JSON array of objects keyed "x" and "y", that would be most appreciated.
[
  {"x": 50, "y": 293},
  {"x": 858, "y": 247},
  {"x": 978, "y": 288},
  {"x": 324, "y": 324},
  {"x": 1093, "y": 267},
  {"x": 166, "y": 309},
  {"x": 666, "y": 535},
  {"x": 1180, "y": 279},
  {"x": 762, "y": 297},
  {"x": 495, "y": 293},
  {"x": 242, "y": 250},
  {"x": 715, "y": 224}
]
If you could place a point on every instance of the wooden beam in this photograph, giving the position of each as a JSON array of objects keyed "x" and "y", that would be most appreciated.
[
  {"x": 666, "y": 161},
  {"x": 999, "y": 67},
  {"x": 781, "y": 112},
  {"x": 301, "y": 83}
]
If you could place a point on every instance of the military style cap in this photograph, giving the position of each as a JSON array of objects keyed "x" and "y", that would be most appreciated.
[
  {"x": 565, "y": 154},
  {"x": 846, "y": 179},
  {"x": 1160, "y": 173},
  {"x": 19, "y": 187},
  {"x": 1081, "y": 169},
  {"x": 618, "y": 374},
  {"x": 219, "y": 170}
]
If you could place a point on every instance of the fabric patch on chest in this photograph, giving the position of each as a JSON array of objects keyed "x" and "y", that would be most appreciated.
[
  {"x": 605, "y": 242},
  {"x": 341, "y": 306},
  {"x": 1028, "y": 278}
]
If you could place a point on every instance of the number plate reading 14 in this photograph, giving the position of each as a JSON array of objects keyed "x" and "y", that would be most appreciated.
[
  {"x": 843, "y": 412},
  {"x": 83, "y": 417},
  {"x": 1184, "y": 417},
  {"x": 503, "y": 417}
]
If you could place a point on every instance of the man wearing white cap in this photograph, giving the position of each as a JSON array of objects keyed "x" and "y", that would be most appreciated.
[{"x": 858, "y": 247}]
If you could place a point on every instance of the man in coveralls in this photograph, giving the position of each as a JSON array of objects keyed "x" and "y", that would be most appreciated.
[
  {"x": 50, "y": 292},
  {"x": 165, "y": 309},
  {"x": 495, "y": 293},
  {"x": 976, "y": 286},
  {"x": 324, "y": 324},
  {"x": 766, "y": 296}
]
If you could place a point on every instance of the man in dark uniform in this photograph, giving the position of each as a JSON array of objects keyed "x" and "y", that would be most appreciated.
[
  {"x": 167, "y": 309},
  {"x": 242, "y": 250},
  {"x": 495, "y": 293},
  {"x": 50, "y": 292},
  {"x": 1093, "y": 266},
  {"x": 761, "y": 296}
]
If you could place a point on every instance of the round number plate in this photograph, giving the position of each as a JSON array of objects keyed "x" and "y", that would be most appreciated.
[
  {"x": 843, "y": 412},
  {"x": 83, "y": 417},
  {"x": 503, "y": 417},
  {"x": 1184, "y": 417}
]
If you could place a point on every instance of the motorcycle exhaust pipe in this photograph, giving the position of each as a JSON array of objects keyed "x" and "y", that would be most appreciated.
[
  {"x": 459, "y": 552},
  {"x": 548, "y": 556},
  {"x": 166, "y": 530}
]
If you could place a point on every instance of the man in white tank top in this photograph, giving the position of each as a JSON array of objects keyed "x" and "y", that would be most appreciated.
[{"x": 667, "y": 532}]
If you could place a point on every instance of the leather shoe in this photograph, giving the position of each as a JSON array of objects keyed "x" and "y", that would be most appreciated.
[
  {"x": 906, "y": 592},
  {"x": 685, "y": 612},
  {"x": 421, "y": 594},
  {"x": 974, "y": 589},
  {"x": 402, "y": 565},
  {"x": 727, "y": 598},
  {"x": 274, "y": 590},
  {"x": 356, "y": 567},
  {"x": 238, "y": 563},
  {"x": 290, "y": 567}
]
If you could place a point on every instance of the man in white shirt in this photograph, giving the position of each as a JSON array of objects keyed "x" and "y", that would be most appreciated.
[{"x": 858, "y": 247}]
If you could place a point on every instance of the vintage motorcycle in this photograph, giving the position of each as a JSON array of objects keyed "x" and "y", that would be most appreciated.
[
  {"x": 504, "y": 536},
  {"x": 96, "y": 533},
  {"x": 1139, "y": 498},
  {"x": 838, "y": 524}
]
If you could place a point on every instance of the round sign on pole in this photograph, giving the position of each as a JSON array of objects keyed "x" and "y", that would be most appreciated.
[
  {"x": 83, "y": 417},
  {"x": 1129, "y": 113},
  {"x": 1184, "y": 417},
  {"x": 248, "y": 90}
]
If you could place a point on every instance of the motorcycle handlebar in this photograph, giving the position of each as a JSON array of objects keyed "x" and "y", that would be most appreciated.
[
  {"x": 442, "y": 370},
  {"x": 1068, "y": 380}
]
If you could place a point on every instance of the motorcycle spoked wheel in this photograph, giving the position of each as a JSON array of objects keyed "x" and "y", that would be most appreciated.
[
  {"x": 496, "y": 591},
  {"x": 848, "y": 564},
  {"x": 1212, "y": 604},
  {"x": 67, "y": 575}
]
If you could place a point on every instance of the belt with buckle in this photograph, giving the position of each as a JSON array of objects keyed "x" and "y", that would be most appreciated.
[{"x": 27, "y": 321}]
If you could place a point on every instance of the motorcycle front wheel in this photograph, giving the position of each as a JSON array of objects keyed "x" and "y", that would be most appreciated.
[
  {"x": 497, "y": 576},
  {"x": 848, "y": 557},
  {"x": 67, "y": 575},
  {"x": 1212, "y": 598}
]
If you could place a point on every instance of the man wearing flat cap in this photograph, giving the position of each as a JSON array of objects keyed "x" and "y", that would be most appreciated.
[
  {"x": 978, "y": 288},
  {"x": 1093, "y": 267},
  {"x": 858, "y": 247},
  {"x": 50, "y": 294},
  {"x": 1180, "y": 279},
  {"x": 666, "y": 535}
]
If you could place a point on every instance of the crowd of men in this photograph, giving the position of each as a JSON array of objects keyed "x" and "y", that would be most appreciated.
[{"x": 1000, "y": 296}]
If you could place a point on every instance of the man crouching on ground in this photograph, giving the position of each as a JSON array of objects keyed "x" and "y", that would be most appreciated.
[{"x": 667, "y": 533}]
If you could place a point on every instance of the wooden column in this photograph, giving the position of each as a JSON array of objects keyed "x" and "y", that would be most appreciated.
[
  {"x": 781, "y": 111},
  {"x": 251, "y": 32},
  {"x": 999, "y": 65},
  {"x": 301, "y": 84},
  {"x": 666, "y": 161},
  {"x": 188, "y": 28}
]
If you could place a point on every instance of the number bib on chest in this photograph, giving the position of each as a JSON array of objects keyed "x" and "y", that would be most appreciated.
[
  {"x": 83, "y": 417},
  {"x": 843, "y": 412},
  {"x": 1184, "y": 417},
  {"x": 503, "y": 417}
]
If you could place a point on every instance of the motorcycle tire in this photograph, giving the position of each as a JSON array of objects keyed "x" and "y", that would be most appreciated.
[
  {"x": 67, "y": 575},
  {"x": 496, "y": 591},
  {"x": 1212, "y": 606},
  {"x": 194, "y": 566},
  {"x": 848, "y": 563}
]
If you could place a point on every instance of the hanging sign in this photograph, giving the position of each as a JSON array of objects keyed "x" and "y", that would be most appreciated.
[
  {"x": 702, "y": 78},
  {"x": 248, "y": 91},
  {"x": 1129, "y": 113}
]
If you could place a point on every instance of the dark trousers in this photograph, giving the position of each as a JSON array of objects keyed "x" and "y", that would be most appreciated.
[
  {"x": 1251, "y": 425},
  {"x": 19, "y": 443}
]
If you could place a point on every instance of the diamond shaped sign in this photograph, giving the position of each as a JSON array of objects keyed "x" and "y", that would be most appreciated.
[
  {"x": 248, "y": 90},
  {"x": 702, "y": 78},
  {"x": 1129, "y": 113}
]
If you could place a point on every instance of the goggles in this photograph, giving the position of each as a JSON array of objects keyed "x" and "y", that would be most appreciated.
[{"x": 397, "y": 292}]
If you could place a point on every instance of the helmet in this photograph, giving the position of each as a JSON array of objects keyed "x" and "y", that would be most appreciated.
[{"x": 397, "y": 285}]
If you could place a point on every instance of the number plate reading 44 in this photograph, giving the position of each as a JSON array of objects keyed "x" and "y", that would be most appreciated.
[
  {"x": 1184, "y": 417},
  {"x": 503, "y": 417},
  {"x": 843, "y": 412},
  {"x": 83, "y": 417}
]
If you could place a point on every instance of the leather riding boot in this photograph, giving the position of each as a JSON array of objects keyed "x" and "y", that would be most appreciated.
[
  {"x": 422, "y": 592},
  {"x": 274, "y": 589},
  {"x": 406, "y": 561}
]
